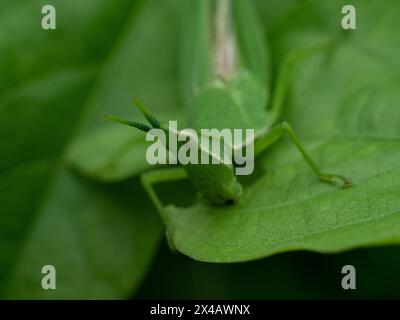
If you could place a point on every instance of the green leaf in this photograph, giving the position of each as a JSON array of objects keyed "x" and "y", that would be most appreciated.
[
  {"x": 99, "y": 238},
  {"x": 346, "y": 107},
  {"x": 110, "y": 154}
]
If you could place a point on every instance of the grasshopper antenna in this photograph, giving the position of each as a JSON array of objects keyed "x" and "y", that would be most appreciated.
[
  {"x": 129, "y": 123},
  {"x": 154, "y": 123},
  {"x": 150, "y": 118}
]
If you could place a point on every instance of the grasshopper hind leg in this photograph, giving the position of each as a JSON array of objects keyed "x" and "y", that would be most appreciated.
[{"x": 285, "y": 128}]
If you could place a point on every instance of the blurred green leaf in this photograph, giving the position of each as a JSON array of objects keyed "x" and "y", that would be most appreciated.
[
  {"x": 150, "y": 72},
  {"x": 346, "y": 107},
  {"x": 99, "y": 238},
  {"x": 109, "y": 154}
]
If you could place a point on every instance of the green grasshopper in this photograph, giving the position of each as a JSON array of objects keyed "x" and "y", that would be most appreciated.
[{"x": 225, "y": 81}]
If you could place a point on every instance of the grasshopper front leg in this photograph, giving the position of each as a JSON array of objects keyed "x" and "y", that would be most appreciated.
[
  {"x": 148, "y": 179},
  {"x": 276, "y": 133}
]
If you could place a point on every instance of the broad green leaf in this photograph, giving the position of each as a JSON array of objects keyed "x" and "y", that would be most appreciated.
[
  {"x": 346, "y": 107},
  {"x": 99, "y": 238}
]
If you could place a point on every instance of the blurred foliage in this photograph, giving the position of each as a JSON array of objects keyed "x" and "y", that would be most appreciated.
[{"x": 99, "y": 238}]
